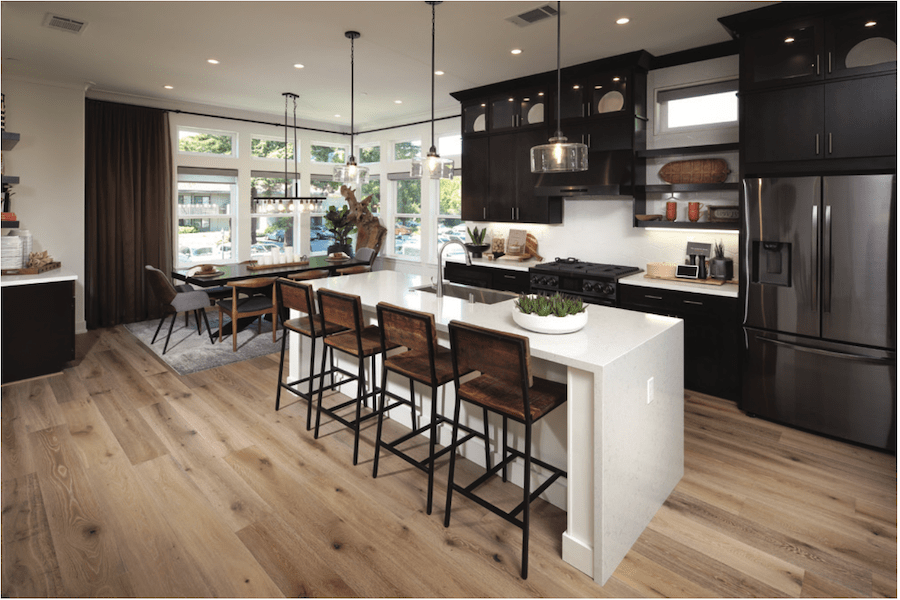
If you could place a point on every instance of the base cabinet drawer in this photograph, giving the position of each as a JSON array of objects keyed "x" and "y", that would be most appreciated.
[
  {"x": 712, "y": 335},
  {"x": 506, "y": 280}
]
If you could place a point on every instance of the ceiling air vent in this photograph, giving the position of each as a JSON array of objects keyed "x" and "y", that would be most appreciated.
[
  {"x": 533, "y": 16},
  {"x": 63, "y": 23}
]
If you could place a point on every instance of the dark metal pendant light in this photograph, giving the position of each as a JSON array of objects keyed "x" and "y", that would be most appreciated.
[
  {"x": 350, "y": 173},
  {"x": 432, "y": 166},
  {"x": 560, "y": 155}
]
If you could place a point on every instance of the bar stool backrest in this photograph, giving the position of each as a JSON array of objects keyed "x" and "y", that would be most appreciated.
[
  {"x": 504, "y": 356},
  {"x": 341, "y": 309},
  {"x": 411, "y": 329},
  {"x": 294, "y": 295}
]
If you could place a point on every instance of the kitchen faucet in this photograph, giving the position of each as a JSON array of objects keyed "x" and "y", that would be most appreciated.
[{"x": 440, "y": 281}]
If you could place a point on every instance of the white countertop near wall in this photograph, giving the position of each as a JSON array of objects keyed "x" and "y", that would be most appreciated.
[
  {"x": 61, "y": 274},
  {"x": 728, "y": 289}
]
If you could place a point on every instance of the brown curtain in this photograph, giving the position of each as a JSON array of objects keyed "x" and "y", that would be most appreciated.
[{"x": 128, "y": 210}]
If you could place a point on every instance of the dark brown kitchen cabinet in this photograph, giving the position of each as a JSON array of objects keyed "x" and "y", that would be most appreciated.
[
  {"x": 511, "y": 182},
  {"x": 832, "y": 41},
  {"x": 476, "y": 161},
  {"x": 522, "y": 108},
  {"x": 852, "y": 118},
  {"x": 712, "y": 335},
  {"x": 38, "y": 329}
]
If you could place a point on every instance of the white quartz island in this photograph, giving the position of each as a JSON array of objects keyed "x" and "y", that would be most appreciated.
[{"x": 622, "y": 433}]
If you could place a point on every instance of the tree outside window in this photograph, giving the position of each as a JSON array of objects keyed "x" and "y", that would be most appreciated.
[
  {"x": 407, "y": 150},
  {"x": 408, "y": 220},
  {"x": 328, "y": 154},
  {"x": 369, "y": 154},
  {"x": 204, "y": 142},
  {"x": 450, "y": 224},
  {"x": 263, "y": 148}
]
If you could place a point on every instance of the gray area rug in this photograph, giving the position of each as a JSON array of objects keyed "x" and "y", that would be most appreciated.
[{"x": 189, "y": 352}]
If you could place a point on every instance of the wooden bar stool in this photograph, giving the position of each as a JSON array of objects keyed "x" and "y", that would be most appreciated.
[
  {"x": 359, "y": 341},
  {"x": 299, "y": 296},
  {"x": 354, "y": 270},
  {"x": 308, "y": 275},
  {"x": 507, "y": 388},
  {"x": 424, "y": 362}
]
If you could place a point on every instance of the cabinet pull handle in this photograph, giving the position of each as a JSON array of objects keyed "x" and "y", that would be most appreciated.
[
  {"x": 484, "y": 212},
  {"x": 817, "y": 65},
  {"x": 652, "y": 297},
  {"x": 814, "y": 256},
  {"x": 589, "y": 141},
  {"x": 693, "y": 302},
  {"x": 829, "y": 61},
  {"x": 512, "y": 213},
  {"x": 817, "y": 144},
  {"x": 830, "y": 145},
  {"x": 509, "y": 277}
]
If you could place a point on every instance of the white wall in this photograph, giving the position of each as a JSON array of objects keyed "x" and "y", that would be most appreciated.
[{"x": 49, "y": 161}]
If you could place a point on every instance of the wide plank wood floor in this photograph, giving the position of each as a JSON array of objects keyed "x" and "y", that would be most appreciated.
[{"x": 121, "y": 478}]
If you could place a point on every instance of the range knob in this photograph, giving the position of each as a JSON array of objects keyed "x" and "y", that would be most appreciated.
[{"x": 609, "y": 289}]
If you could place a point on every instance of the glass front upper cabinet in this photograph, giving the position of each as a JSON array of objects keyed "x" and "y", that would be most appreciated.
[
  {"x": 522, "y": 109},
  {"x": 475, "y": 118},
  {"x": 784, "y": 55},
  {"x": 863, "y": 41},
  {"x": 594, "y": 95}
]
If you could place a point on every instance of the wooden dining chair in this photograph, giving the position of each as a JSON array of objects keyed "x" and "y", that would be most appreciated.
[
  {"x": 258, "y": 300},
  {"x": 308, "y": 275}
]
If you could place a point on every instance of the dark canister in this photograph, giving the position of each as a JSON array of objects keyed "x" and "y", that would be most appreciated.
[{"x": 721, "y": 268}]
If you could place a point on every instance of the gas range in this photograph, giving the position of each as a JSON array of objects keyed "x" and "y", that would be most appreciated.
[{"x": 592, "y": 282}]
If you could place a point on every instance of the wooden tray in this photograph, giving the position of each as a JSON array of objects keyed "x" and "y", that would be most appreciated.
[
  {"x": 259, "y": 267},
  {"x": 685, "y": 279},
  {"x": 31, "y": 270},
  {"x": 515, "y": 257}
]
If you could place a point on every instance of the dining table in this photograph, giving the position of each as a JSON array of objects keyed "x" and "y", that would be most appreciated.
[{"x": 224, "y": 273}]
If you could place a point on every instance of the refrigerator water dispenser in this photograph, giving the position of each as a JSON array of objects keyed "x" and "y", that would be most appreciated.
[{"x": 772, "y": 263}]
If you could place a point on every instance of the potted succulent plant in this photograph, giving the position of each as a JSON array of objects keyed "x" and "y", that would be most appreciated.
[
  {"x": 477, "y": 245},
  {"x": 550, "y": 314},
  {"x": 338, "y": 223}
]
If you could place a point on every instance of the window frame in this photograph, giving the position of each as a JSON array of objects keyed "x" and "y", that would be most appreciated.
[{"x": 231, "y": 216}]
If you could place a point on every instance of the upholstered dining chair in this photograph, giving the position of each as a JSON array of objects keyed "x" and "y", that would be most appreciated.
[
  {"x": 254, "y": 297},
  {"x": 175, "y": 300},
  {"x": 366, "y": 254}
]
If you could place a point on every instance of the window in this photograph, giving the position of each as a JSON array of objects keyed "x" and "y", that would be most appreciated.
[
  {"x": 407, "y": 224},
  {"x": 262, "y": 147},
  {"x": 320, "y": 237},
  {"x": 407, "y": 150},
  {"x": 204, "y": 212},
  {"x": 450, "y": 145},
  {"x": 698, "y": 107},
  {"x": 369, "y": 154},
  {"x": 199, "y": 141},
  {"x": 319, "y": 153},
  {"x": 371, "y": 188},
  {"x": 273, "y": 222},
  {"x": 449, "y": 224}
]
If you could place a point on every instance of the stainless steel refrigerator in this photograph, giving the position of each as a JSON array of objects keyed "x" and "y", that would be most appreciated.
[{"x": 821, "y": 305}]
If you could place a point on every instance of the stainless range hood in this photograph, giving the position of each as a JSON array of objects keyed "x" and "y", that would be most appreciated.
[{"x": 610, "y": 176}]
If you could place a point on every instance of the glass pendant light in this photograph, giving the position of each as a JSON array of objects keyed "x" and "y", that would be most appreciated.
[
  {"x": 560, "y": 155},
  {"x": 350, "y": 173},
  {"x": 432, "y": 166}
]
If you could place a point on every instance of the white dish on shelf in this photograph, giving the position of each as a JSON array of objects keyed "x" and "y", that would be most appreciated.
[
  {"x": 873, "y": 51},
  {"x": 478, "y": 125},
  {"x": 536, "y": 114},
  {"x": 611, "y": 102}
]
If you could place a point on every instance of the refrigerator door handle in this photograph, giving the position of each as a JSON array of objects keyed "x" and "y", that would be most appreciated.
[
  {"x": 823, "y": 352},
  {"x": 826, "y": 262},
  {"x": 814, "y": 260}
]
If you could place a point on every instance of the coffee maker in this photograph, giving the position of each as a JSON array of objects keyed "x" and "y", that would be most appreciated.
[{"x": 697, "y": 254}]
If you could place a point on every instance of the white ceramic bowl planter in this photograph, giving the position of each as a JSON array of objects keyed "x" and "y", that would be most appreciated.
[{"x": 550, "y": 323}]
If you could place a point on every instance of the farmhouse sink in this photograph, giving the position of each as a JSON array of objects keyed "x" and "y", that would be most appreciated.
[{"x": 479, "y": 295}]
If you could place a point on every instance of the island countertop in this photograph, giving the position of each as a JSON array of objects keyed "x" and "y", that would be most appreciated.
[
  {"x": 621, "y": 435},
  {"x": 609, "y": 334}
]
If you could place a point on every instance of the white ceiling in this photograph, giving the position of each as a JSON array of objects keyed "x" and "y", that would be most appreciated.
[{"x": 135, "y": 48}]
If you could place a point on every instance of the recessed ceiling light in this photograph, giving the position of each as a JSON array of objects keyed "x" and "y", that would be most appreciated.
[
  {"x": 212, "y": 61},
  {"x": 337, "y": 116},
  {"x": 622, "y": 21},
  {"x": 871, "y": 24},
  {"x": 515, "y": 51},
  {"x": 438, "y": 72},
  {"x": 168, "y": 87},
  {"x": 788, "y": 40},
  {"x": 398, "y": 101},
  {"x": 299, "y": 66}
]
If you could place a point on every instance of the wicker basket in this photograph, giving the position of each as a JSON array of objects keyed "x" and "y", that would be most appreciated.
[
  {"x": 661, "y": 270},
  {"x": 702, "y": 170}
]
